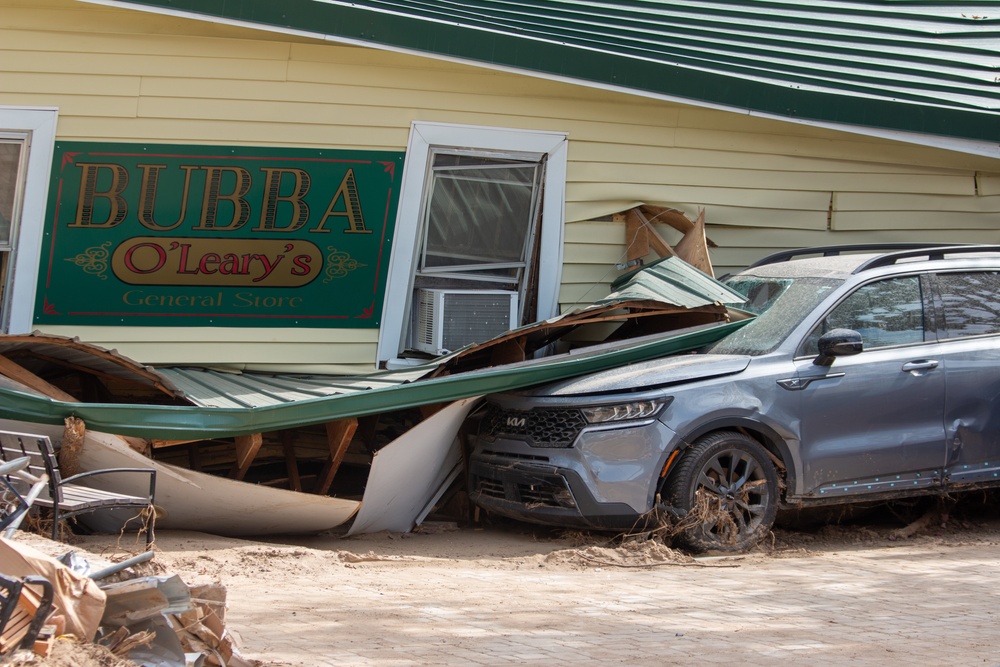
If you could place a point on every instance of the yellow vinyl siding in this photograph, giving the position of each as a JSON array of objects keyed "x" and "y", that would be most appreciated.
[
  {"x": 81, "y": 85},
  {"x": 332, "y": 350},
  {"x": 866, "y": 211},
  {"x": 988, "y": 184},
  {"x": 765, "y": 185},
  {"x": 759, "y": 178}
]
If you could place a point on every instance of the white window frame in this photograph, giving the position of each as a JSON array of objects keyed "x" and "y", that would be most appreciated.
[
  {"x": 424, "y": 137},
  {"x": 39, "y": 123}
]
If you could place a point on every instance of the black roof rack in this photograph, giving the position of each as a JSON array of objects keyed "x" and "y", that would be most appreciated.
[
  {"x": 833, "y": 250},
  {"x": 935, "y": 252}
]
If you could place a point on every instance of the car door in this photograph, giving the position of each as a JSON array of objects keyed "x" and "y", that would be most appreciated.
[
  {"x": 873, "y": 422},
  {"x": 969, "y": 329}
]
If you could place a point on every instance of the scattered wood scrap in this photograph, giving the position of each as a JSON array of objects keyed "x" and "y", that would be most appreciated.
[{"x": 642, "y": 238}]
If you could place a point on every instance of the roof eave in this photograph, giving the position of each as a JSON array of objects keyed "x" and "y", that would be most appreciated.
[{"x": 972, "y": 131}]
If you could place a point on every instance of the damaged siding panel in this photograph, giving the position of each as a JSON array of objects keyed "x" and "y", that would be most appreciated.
[
  {"x": 988, "y": 184},
  {"x": 760, "y": 204},
  {"x": 854, "y": 211}
]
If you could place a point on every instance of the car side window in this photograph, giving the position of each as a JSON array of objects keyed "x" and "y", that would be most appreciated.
[
  {"x": 887, "y": 312},
  {"x": 971, "y": 303}
]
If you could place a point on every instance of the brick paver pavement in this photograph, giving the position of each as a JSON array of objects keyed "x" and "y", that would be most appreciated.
[{"x": 915, "y": 604}]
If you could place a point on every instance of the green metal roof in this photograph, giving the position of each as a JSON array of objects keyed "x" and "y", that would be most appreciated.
[
  {"x": 911, "y": 65},
  {"x": 671, "y": 280}
]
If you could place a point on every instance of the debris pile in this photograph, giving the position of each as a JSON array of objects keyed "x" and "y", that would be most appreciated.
[{"x": 124, "y": 610}]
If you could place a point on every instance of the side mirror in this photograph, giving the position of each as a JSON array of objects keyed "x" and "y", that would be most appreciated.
[{"x": 838, "y": 343}]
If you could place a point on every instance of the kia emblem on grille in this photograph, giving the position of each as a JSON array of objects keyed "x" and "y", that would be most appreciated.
[{"x": 517, "y": 422}]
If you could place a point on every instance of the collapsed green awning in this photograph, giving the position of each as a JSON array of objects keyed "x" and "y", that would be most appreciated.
[{"x": 346, "y": 397}]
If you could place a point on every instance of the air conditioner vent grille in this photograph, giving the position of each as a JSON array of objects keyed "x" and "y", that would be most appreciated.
[{"x": 445, "y": 320}]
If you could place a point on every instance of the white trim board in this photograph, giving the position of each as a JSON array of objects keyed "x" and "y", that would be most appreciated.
[{"x": 40, "y": 124}]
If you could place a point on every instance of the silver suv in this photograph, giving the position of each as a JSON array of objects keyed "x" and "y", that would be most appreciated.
[{"x": 866, "y": 375}]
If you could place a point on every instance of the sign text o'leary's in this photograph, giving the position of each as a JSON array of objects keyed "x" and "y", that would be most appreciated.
[{"x": 148, "y": 235}]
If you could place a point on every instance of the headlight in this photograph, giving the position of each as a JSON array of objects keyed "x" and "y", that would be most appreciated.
[{"x": 621, "y": 412}]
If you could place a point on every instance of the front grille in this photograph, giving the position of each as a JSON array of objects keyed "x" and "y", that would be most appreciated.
[
  {"x": 491, "y": 488},
  {"x": 542, "y": 427},
  {"x": 547, "y": 491},
  {"x": 518, "y": 456}
]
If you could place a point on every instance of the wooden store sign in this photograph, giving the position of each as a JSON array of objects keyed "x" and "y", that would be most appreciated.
[{"x": 217, "y": 236}]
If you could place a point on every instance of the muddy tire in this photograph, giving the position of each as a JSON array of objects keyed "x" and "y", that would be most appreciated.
[{"x": 728, "y": 486}]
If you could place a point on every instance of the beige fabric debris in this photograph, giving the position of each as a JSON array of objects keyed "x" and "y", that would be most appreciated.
[{"x": 77, "y": 600}]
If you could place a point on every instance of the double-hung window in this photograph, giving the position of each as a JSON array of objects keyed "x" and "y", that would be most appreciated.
[{"x": 480, "y": 215}]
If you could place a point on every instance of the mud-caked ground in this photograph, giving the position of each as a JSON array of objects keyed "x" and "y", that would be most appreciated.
[{"x": 914, "y": 583}]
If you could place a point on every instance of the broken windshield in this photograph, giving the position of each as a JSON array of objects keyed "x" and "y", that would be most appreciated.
[{"x": 779, "y": 303}]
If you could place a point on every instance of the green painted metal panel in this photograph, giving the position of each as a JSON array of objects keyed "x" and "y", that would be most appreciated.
[
  {"x": 920, "y": 66},
  {"x": 183, "y": 422},
  {"x": 672, "y": 280},
  {"x": 155, "y": 235}
]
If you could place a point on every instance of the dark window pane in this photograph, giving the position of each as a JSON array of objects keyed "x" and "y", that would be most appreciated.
[{"x": 971, "y": 303}]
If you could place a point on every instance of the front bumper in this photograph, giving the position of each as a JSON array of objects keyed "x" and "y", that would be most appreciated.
[{"x": 543, "y": 494}]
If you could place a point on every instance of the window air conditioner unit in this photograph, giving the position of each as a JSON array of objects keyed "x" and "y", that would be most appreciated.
[{"x": 447, "y": 319}]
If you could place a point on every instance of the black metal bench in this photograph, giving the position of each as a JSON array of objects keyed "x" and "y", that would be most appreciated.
[{"x": 66, "y": 497}]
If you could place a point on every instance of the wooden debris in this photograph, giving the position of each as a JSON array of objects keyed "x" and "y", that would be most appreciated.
[
  {"x": 247, "y": 447},
  {"x": 21, "y": 374},
  {"x": 693, "y": 248},
  {"x": 122, "y": 641},
  {"x": 339, "y": 434},
  {"x": 641, "y": 235},
  {"x": 673, "y": 218}
]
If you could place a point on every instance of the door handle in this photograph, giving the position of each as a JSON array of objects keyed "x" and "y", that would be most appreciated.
[{"x": 922, "y": 365}]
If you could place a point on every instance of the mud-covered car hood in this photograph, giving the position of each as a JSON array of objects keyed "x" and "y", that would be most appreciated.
[{"x": 647, "y": 375}]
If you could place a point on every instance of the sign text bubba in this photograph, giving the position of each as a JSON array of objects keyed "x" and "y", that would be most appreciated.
[{"x": 168, "y": 235}]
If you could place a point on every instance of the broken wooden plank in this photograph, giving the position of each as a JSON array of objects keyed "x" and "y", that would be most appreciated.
[
  {"x": 21, "y": 374},
  {"x": 641, "y": 224},
  {"x": 339, "y": 434},
  {"x": 160, "y": 444},
  {"x": 291, "y": 463},
  {"x": 693, "y": 248},
  {"x": 636, "y": 237},
  {"x": 673, "y": 218},
  {"x": 247, "y": 447}
]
